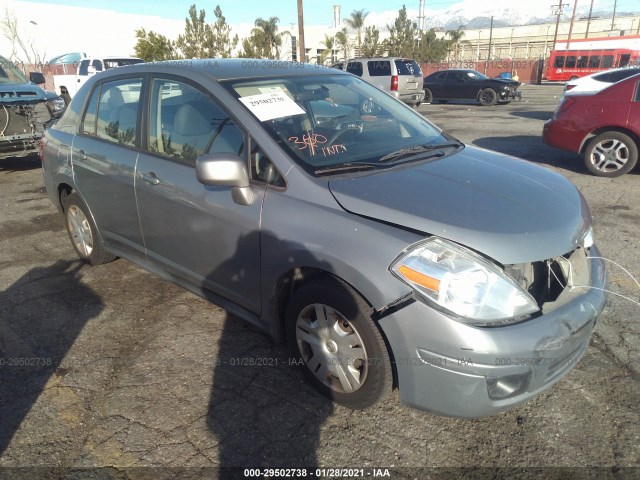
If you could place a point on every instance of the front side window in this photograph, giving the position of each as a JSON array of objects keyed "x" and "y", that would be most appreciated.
[
  {"x": 571, "y": 61},
  {"x": 558, "y": 62},
  {"x": 339, "y": 121},
  {"x": 184, "y": 123}
]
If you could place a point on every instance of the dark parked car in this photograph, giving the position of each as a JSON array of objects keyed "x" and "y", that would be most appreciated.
[
  {"x": 319, "y": 208},
  {"x": 603, "y": 127},
  {"x": 469, "y": 85}
]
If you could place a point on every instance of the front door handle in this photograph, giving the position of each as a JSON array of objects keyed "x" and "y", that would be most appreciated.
[
  {"x": 81, "y": 155},
  {"x": 150, "y": 178}
]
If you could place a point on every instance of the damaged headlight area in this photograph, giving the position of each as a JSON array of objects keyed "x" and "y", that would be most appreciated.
[
  {"x": 56, "y": 106},
  {"x": 463, "y": 283}
]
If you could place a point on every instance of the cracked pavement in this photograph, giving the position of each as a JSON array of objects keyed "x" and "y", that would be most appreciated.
[{"x": 127, "y": 370}]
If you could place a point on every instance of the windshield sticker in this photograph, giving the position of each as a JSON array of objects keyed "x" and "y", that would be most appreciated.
[
  {"x": 268, "y": 106},
  {"x": 314, "y": 140},
  {"x": 270, "y": 89}
]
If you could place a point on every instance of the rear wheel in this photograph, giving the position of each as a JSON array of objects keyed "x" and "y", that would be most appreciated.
[
  {"x": 611, "y": 154},
  {"x": 428, "y": 96},
  {"x": 342, "y": 353},
  {"x": 488, "y": 96},
  {"x": 83, "y": 232}
]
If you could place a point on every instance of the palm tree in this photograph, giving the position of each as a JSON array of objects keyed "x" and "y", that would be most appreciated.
[
  {"x": 266, "y": 35},
  {"x": 455, "y": 39},
  {"x": 328, "y": 42},
  {"x": 356, "y": 21},
  {"x": 342, "y": 41}
]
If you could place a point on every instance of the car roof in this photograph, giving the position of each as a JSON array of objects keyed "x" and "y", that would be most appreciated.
[{"x": 230, "y": 68}]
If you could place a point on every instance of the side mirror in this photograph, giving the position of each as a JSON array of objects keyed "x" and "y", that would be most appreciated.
[
  {"x": 226, "y": 170},
  {"x": 36, "y": 77}
]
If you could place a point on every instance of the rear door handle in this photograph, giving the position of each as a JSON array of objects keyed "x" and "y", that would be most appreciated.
[{"x": 150, "y": 178}]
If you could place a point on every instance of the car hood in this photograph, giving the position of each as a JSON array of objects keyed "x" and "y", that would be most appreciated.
[
  {"x": 508, "y": 209},
  {"x": 505, "y": 81},
  {"x": 21, "y": 93}
]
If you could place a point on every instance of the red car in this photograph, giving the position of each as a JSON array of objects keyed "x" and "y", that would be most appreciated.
[{"x": 603, "y": 127}]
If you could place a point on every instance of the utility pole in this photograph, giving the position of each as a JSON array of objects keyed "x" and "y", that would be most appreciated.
[
  {"x": 586, "y": 34},
  {"x": 421, "y": 17},
  {"x": 303, "y": 51},
  {"x": 613, "y": 19},
  {"x": 489, "y": 51},
  {"x": 573, "y": 16},
  {"x": 559, "y": 13}
]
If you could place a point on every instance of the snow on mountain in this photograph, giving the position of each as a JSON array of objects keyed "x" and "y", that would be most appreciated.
[{"x": 477, "y": 14}]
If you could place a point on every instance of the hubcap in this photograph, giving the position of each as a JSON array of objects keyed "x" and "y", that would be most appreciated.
[
  {"x": 610, "y": 155},
  {"x": 80, "y": 230},
  {"x": 331, "y": 348}
]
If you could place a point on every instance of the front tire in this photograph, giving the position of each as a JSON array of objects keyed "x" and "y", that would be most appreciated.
[
  {"x": 611, "y": 154},
  {"x": 83, "y": 232},
  {"x": 342, "y": 352},
  {"x": 487, "y": 97}
]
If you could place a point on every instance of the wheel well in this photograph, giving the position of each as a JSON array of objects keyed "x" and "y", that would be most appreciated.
[
  {"x": 287, "y": 286},
  {"x": 63, "y": 191},
  {"x": 600, "y": 130}
]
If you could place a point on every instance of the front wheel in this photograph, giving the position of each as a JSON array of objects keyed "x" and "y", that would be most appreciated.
[
  {"x": 83, "y": 232},
  {"x": 488, "y": 96},
  {"x": 342, "y": 353},
  {"x": 611, "y": 154}
]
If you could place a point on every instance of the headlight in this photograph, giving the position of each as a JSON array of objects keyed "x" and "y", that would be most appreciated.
[
  {"x": 463, "y": 283},
  {"x": 55, "y": 105}
]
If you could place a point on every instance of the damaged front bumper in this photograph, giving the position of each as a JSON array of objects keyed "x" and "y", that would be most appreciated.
[
  {"x": 21, "y": 127},
  {"x": 450, "y": 368}
]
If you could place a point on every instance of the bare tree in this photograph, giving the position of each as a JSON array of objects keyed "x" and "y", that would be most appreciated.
[{"x": 22, "y": 50}]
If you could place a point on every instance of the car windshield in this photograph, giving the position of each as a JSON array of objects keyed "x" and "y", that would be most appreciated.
[
  {"x": 9, "y": 73},
  {"x": 337, "y": 120}
]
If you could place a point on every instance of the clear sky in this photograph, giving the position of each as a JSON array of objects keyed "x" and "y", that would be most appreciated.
[{"x": 317, "y": 12}]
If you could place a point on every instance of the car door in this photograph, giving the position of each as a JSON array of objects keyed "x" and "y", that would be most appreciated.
[
  {"x": 104, "y": 155},
  {"x": 633, "y": 121},
  {"x": 436, "y": 83},
  {"x": 454, "y": 85},
  {"x": 193, "y": 231}
]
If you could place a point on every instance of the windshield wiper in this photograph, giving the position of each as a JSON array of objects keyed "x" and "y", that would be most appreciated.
[
  {"x": 418, "y": 149},
  {"x": 347, "y": 167}
]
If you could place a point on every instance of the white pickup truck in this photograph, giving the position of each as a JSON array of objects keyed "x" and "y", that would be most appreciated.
[{"x": 67, "y": 85}]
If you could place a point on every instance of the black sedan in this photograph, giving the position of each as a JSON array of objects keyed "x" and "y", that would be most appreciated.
[{"x": 469, "y": 85}]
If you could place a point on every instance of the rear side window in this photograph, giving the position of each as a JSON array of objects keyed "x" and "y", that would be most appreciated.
[
  {"x": 408, "y": 67},
  {"x": 594, "y": 61},
  {"x": 118, "y": 111},
  {"x": 582, "y": 61},
  {"x": 558, "y": 62},
  {"x": 607, "y": 61},
  {"x": 355, "y": 68},
  {"x": 379, "y": 68},
  {"x": 622, "y": 74},
  {"x": 637, "y": 99},
  {"x": 112, "y": 111},
  {"x": 184, "y": 123},
  {"x": 571, "y": 61}
]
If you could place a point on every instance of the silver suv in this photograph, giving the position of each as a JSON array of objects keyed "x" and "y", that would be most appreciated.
[{"x": 399, "y": 77}]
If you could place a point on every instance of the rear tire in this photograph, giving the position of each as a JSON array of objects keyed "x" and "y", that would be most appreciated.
[
  {"x": 83, "y": 232},
  {"x": 339, "y": 347},
  {"x": 428, "y": 96},
  {"x": 611, "y": 154}
]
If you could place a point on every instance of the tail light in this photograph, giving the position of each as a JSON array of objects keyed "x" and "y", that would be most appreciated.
[
  {"x": 394, "y": 83},
  {"x": 569, "y": 87},
  {"x": 564, "y": 105}
]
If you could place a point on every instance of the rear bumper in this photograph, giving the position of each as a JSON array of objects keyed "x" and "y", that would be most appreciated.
[
  {"x": 412, "y": 98},
  {"x": 450, "y": 368}
]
